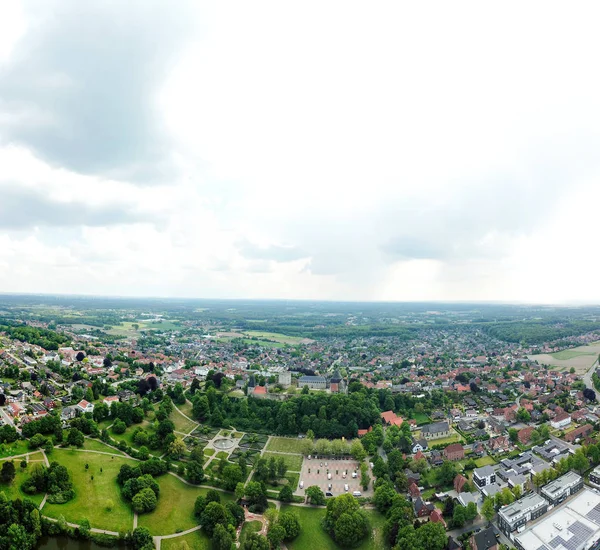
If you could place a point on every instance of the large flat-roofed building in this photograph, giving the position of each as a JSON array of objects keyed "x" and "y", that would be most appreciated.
[
  {"x": 559, "y": 489},
  {"x": 516, "y": 515},
  {"x": 573, "y": 526},
  {"x": 313, "y": 382},
  {"x": 285, "y": 378},
  {"x": 552, "y": 451}
]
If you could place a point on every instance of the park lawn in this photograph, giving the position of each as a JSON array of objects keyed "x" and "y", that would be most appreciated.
[
  {"x": 127, "y": 436},
  {"x": 175, "y": 510},
  {"x": 249, "y": 527},
  {"x": 485, "y": 461},
  {"x": 91, "y": 496},
  {"x": 19, "y": 447},
  {"x": 198, "y": 540},
  {"x": 96, "y": 445},
  {"x": 182, "y": 424},
  {"x": 187, "y": 409},
  {"x": 454, "y": 438},
  {"x": 285, "y": 445},
  {"x": 13, "y": 490},
  {"x": 312, "y": 535},
  {"x": 293, "y": 462}
]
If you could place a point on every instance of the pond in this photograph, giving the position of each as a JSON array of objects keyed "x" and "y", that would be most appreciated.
[{"x": 65, "y": 543}]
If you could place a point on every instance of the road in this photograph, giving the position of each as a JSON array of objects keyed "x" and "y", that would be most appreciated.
[
  {"x": 7, "y": 419},
  {"x": 587, "y": 377},
  {"x": 477, "y": 524}
]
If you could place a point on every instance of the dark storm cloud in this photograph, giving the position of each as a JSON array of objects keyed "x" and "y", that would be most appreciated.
[
  {"x": 25, "y": 208},
  {"x": 273, "y": 252},
  {"x": 83, "y": 80}
]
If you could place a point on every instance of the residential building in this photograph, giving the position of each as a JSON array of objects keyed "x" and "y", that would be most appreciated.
[
  {"x": 437, "y": 430},
  {"x": 459, "y": 482},
  {"x": 560, "y": 421},
  {"x": 84, "y": 406},
  {"x": 559, "y": 489},
  {"x": 454, "y": 452},
  {"x": 525, "y": 435},
  {"x": 517, "y": 514},
  {"x": 579, "y": 433},
  {"x": 391, "y": 419},
  {"x": 484, "y": 540},
  {"x": 110, "y": 400},
  {"x": 483, "y": 476},
  {"x": 552, "y": 451},
  {"x": 595, "y": 476}
]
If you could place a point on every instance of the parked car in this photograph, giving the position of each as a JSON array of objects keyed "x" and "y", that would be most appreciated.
[
  {"x": 302, "y": 485},
  {"x": 346, "y": 487},
  {"x": 356, "y": 494},
  {"x": 354, "y": 475},
  {"x": 328, "y": 476},
  {"x": 328, "y": 494}
]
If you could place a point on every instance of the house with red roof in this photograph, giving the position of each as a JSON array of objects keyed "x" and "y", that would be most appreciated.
[
  {"x": 454, "y": 452},
  {"x": 436, "y": 517},
  {"x": 390, "y": 418}
]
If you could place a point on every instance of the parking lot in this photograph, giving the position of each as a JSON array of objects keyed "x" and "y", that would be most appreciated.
[{"x": 315, "y": 472}]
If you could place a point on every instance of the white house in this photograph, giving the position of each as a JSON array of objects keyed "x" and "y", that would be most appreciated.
[
  {"x": 110, "y": 400},
  {"x": 560, "y": 421},
  {"x": 85, "y": 406}
]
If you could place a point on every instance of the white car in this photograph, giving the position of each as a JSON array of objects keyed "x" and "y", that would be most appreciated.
[
  {"x": 328, "y": 476},
  {"x": 302, "y": 485},
  {"x": 344, "y": 475},
  {"x": 346, "y": 487},
  {"x": 356, "y": 494},
  {"x": 354, "y": 475}
]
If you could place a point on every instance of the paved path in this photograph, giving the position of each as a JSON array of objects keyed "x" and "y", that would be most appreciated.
[
  {"x": 93, "y": 529},
  {"x": 587, "y": 377},
  {"x": 135, "y": 520},
  {"x": 158, "y": 539}
]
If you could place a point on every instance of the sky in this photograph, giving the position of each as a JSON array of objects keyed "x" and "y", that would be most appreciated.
[{"x": 301, "y": 150}]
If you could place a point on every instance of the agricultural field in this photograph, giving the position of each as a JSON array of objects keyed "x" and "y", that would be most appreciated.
[
  {"x": 281, "y": 338},
  {"x": 169, "y": 517},
  {"x": 285, "y": 445},
  {"x": 312, "y": 535},
  {"x": 93, "y": 497},
  {"x": 580, "y": 358}
]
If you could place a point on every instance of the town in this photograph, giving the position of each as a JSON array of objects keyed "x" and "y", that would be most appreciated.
[{"x": 181, "y": 429}]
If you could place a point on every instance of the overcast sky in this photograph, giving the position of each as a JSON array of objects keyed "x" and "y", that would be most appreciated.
[{"x": 319, "y": 150}]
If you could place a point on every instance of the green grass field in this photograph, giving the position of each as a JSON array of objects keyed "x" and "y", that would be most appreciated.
[
  {"x": 186, "y": 409},
  {"x": 197, "y": 540},
  {"x": 97, "y": 445},
  {"x": 485, "y": 461},
  {"x": 454, "y": 438},
  {"x": 182, "y": 424},
  {"x": 421, "y": 418},
  {"x": 249, "y": 527},
  {"x": 567, "y": 354},
  {"x": 11, "y": 449},
  {"x": 293, "y": 462},
  {"x": 175, "y": 510},
  {"x": 313, "y": 536},
  {"x": 285, "y": 445},
  {"x": 91, "y": 496}
]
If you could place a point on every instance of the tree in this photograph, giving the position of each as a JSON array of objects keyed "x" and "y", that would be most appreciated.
[
  {"x": 214, "y": 513},
  {"x": 290, "y": 523},
  {"x": 221, "y": 539},
  {"x": 447, "y": 473},
  {"x": 351, "y": 529},
  {"x": 144, "y": 501},
  {"x": 276, "y": 535},
  {"x": 523, "y": 415},
  {"x": 384, "y": 497},
  {"x": 432, "y": 536},
  {"x": 579, "y": 462},
  {"x": 7, "y": 474},
  {"x": 471, "y": 512},
  {"x": 231, "y": 476},
  {"x": 80, "y": 356},
  {"x": 254, "y": 541},
  {"x": 19, "y": 538},
  {"x": 176, "y": 448},
  {"x": 513, "y": 434},
  {"x": 75, "y": 438},
  {"x": 487, "y": 509},
  {"x": 195, "y": 472},
  {"x": 286, "y": 494},
  {"x": 315, "y": 495},
  {"x": 589, "y": 394},
  {"x": 141, "y": 539},
  {"x": 459, "y": 517}
]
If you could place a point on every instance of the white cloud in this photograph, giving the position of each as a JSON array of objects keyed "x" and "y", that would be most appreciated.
[{"x": 343, "y": 151}]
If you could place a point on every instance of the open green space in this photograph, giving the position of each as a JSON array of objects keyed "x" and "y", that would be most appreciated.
[
  {"x": 127, "y": 435},
  {"x": 249, "y": 527},
  {"x": 19, "y": 447},
  {"x": 97, "y": 445},
  {"x": 182, "y": 424},
  {"x": 567, "y": 354},
  {"x": 293, "y": 462},
  {"x": 175, "y": 510},
  {"x": 186, "y": 409},
  {"x": 485, "y": 461},
  {"x": 92, "y": 496},
  {"x": 13, "y": 490},
  {"x": 198, "y": 540},
  {"x": 454, "y": 438},
  {"x": 285, "y": 445},
  {"x": 312, "y": 535},
  {"x": 421, "y": 418}
]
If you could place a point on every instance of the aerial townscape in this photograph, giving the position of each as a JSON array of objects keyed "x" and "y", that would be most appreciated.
[{"x": 179, "y": 424}]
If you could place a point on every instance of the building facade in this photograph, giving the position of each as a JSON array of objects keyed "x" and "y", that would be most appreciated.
[{"x": 517, "y": 514}]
